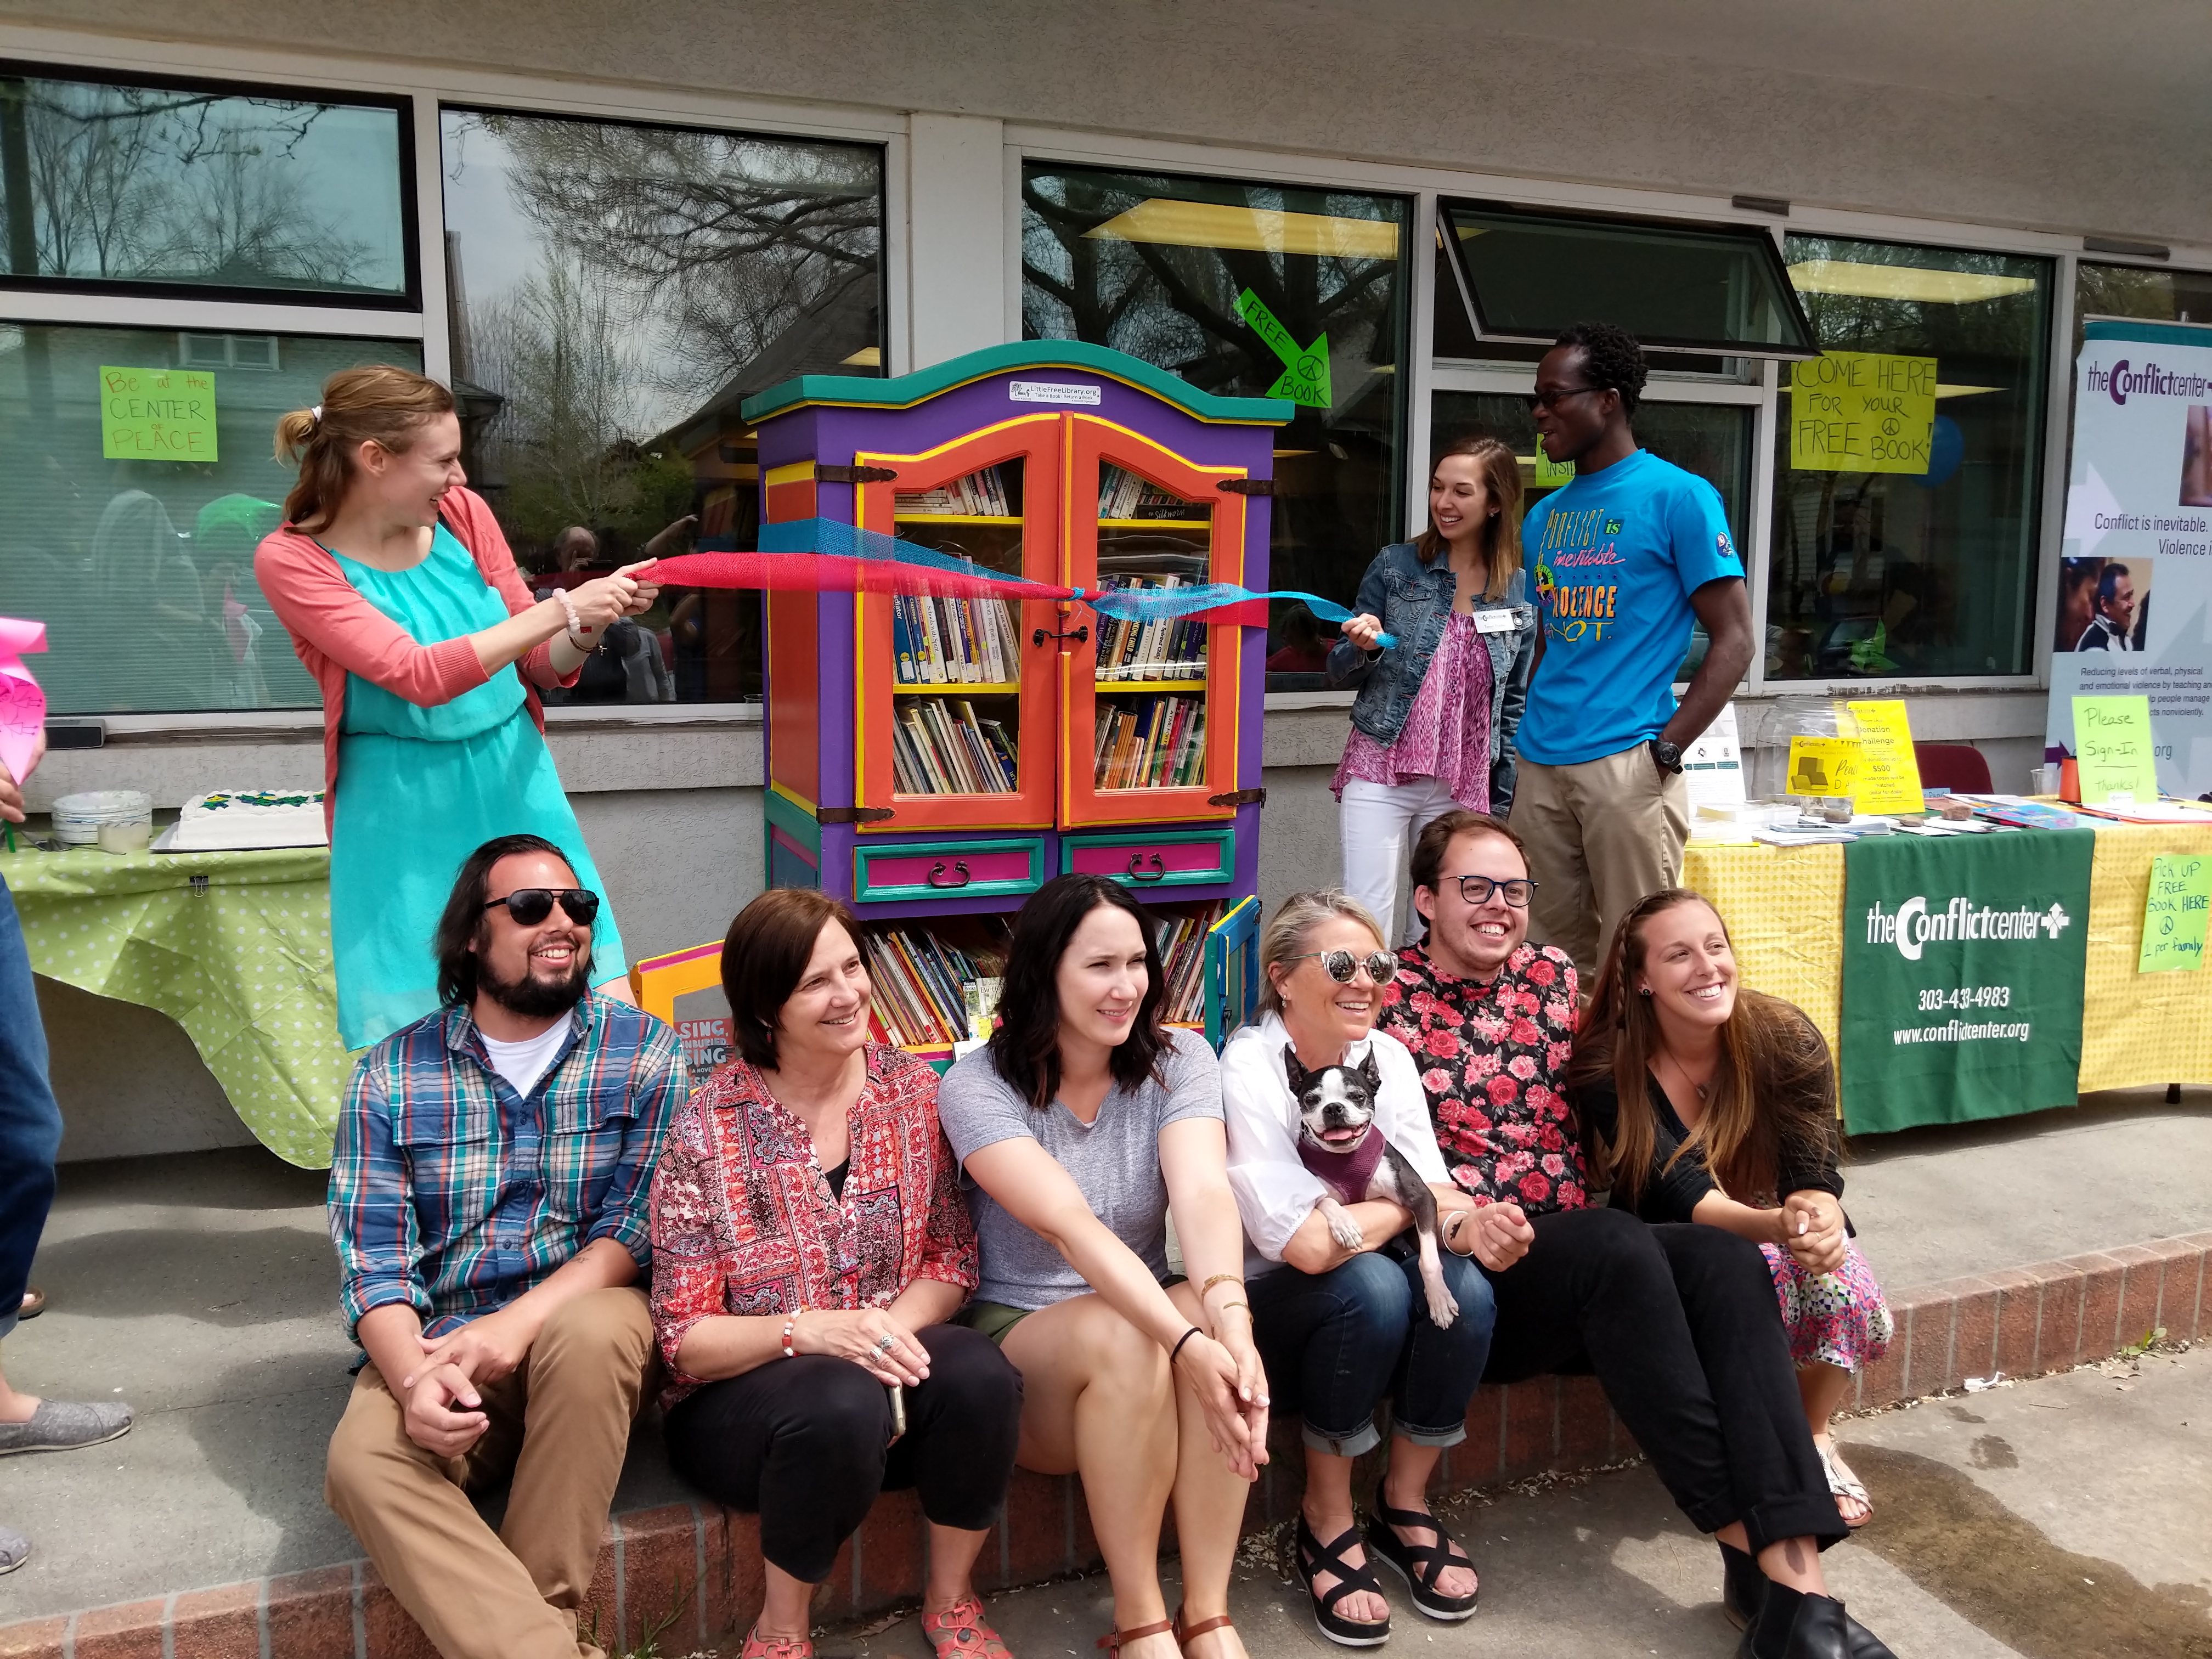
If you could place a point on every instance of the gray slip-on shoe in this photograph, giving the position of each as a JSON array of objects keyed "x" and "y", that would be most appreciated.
[
  {"x": 63, "y": 1425},
  {"x": 14, "y": 1549}
]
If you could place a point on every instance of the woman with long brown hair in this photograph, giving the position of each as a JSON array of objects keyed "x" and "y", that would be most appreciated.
[
  {"x": 1703, "y": 1101},
  {"x": 403, "y": 602},
  {"x": 1433, "y": 725}
]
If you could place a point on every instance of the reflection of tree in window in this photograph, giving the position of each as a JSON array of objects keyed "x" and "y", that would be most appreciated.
[{"x": 135, "y": 183}]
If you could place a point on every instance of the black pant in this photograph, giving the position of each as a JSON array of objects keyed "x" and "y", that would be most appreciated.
[
  {"x": 1680, "y": 1325},
  {"x": 802, "y": 1444}
]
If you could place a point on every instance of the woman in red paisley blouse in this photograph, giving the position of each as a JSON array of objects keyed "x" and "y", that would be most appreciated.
[{"x": 809, "y": 1242}]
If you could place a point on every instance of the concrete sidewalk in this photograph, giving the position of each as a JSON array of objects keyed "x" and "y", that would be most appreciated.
[
  {"x": 2065, "y": 1518},
  {"x": 202, "y": 1289}
]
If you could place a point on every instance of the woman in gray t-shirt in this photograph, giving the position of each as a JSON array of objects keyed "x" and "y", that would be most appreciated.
[{"x": 1082, "y": 1126}]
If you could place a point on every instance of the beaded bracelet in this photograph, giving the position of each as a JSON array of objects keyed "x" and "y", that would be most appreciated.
[{"x": 789, "y": 1325}]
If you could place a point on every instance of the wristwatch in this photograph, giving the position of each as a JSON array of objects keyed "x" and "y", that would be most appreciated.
[{"x": 1668, "y": 755}]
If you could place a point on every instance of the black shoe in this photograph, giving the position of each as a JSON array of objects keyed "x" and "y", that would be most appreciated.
[
  {"x": 1743, "y": 1586},
  {"x": 1792, "y": 1624},
  {"x": 1421, "y": 1564},
  {"x": 1311, "y": 1557}
]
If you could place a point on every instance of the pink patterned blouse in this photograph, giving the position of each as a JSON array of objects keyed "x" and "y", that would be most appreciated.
[{"x": 1447, "y": 733}]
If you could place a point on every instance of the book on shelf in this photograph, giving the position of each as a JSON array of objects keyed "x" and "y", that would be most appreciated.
[
  {"x": 921, "y": 985},
  {"x": 1182, "y": 965},
  {"x": 1123, "y": 494},
  {"x": 978, "y": 494},
  {"x": 1149, "y": 742},
  {"x": 937, "y": 750},
  {"x": 939, "y": 641},
  {"x": 1162, "y": 648}
]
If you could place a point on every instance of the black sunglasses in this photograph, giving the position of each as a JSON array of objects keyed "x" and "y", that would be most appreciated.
[
  {"x": 1550, "y": 399},
  {"x": 531, "y": 905},
  {"x": 1340, "y": 965}
]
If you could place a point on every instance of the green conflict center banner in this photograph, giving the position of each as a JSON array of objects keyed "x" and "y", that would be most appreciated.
[{"x": 1964, "y": 962}]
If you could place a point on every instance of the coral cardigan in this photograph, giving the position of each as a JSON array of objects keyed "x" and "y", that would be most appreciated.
[{"x": 336, "y": 631}]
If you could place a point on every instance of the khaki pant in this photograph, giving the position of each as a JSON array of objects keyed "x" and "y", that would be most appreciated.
[
  {"x": 560, "y": 1424},
  {"x": 1601, "y": 835}
]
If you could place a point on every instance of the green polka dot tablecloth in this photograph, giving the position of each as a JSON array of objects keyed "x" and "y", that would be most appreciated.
[{"x": 236, "y": 947}]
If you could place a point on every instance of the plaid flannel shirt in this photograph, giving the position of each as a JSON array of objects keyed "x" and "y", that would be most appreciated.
[{"x": 454, "y": 1194}]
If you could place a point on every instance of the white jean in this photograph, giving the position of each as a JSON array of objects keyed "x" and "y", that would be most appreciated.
[{"x": 1379, "y": 823}]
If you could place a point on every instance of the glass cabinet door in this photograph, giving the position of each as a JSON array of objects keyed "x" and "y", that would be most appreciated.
[
  {"x": 953, "y": 707},
  {"x": 1149, "y": 708}
]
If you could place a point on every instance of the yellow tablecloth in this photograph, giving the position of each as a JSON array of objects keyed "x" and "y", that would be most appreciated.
[{"x": 1784, "y": 908}]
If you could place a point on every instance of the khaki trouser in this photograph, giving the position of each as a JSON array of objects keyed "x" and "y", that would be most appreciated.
[
  {"x": 1601, "y": 835},
  {"x": 560, "y": 1424}
]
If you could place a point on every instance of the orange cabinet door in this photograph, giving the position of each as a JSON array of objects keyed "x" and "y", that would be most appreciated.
[
  {"x": 1148, "y": 710},
  {"x": 954, "y": 701}
]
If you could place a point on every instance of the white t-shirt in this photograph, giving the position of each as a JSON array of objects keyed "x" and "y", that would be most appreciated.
[
  {"x": 1275, "y": 1192},
  {"x": 523, "y": 1063}
]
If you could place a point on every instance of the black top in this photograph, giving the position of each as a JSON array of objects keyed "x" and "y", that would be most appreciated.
[
  {"x": 1673, "y": 1195},
  {"x": 836, "y": 1179}
]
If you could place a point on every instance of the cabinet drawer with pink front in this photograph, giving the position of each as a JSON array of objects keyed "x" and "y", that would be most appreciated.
[
  {"x": 1159, "y": 858},
  {"x": 938, "y": 869}
]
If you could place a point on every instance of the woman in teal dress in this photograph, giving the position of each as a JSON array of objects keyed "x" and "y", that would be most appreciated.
[{"x": 403, "y": 602}]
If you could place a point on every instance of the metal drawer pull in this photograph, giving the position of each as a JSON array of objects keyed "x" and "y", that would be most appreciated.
[
  {"x": 1160, "y": 868},
  {"x": 960, "y": 869}
]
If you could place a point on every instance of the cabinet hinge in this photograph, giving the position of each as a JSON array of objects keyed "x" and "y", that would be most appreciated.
[
  {"x": 851, "y": 814},
  {"x": 1239, "y": 797},
  {"x": 1247, "y": 486},
  {"x": 824, "y": 473}
]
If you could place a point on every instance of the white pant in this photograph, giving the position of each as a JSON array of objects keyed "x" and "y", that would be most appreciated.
[{"x": 1380, "y": 822}]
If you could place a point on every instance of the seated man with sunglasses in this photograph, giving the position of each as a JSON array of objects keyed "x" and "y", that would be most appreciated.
[
  {"x": 489, "y": 1202},
  {"x": 1679, "y": 1322}
]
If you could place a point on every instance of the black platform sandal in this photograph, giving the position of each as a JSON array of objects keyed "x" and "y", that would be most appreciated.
[
  {"x": 1422, "y": 1565},
  {"x": 1312, "y": 1557}
]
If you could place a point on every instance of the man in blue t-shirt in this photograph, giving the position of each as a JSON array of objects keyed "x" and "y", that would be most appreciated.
[{"x": 1624, "y": 558}]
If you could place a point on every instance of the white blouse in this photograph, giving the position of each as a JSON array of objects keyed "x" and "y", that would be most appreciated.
[{"x": 1275, "y": 1192}]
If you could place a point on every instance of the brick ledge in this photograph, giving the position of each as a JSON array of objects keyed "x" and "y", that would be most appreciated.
[{"x": 2023, "y": 1321}]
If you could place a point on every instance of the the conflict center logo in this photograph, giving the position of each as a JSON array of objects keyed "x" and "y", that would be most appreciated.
[{"x": 1913, "y": 924}]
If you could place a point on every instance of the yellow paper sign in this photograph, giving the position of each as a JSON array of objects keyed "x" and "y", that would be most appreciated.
[
  {"x": 2175, "y": 912},
  {"x": 2111, "y": 742},
  {"x": 1822, "y": 766},
  {"x": 1888, "y": 778},
  {"x": 157, "y": 414},
  {"x": 1861, "y": 412}
]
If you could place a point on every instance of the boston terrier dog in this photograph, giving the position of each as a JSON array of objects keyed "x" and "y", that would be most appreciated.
[{"x": 1338, "y": 1142}]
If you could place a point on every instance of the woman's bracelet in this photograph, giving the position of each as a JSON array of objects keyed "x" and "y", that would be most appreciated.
[
  {"x": 575, "y": 621},
  {"x": 1226, "y": 1306},
  {"x": 1185, "y": 1337},
  {"x": 1453, "y": 1227},
  {"x": 789, "y": 1325},
  {"x": 1219, "y": 1279}
]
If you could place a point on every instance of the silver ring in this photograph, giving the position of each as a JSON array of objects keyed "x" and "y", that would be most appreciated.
[{"x": 887, "y": 1345}]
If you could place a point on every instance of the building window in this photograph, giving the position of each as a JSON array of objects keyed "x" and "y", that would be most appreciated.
[
  {"x": 183, "y": 186},
  {"x": 617, "y": 291},
  {"x": 1908, "y": 464},
  {"x": 136, "y": 487},
  {"x": 1196, "y": 275}
]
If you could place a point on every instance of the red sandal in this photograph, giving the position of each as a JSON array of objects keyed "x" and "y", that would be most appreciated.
[
  {"x": 775, "y": 1647},
  {"x": 960, "y": 1631}
]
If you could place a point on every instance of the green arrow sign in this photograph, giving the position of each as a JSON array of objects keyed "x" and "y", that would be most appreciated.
[{"x": 1304, "y": 379}]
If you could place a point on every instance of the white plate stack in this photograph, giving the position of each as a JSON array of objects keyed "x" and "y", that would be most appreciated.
[{"x": 78, "y": 819}]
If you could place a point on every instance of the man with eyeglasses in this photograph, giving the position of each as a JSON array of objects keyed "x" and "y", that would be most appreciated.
[
  {"x": 1626, "y": 556},
  {"x": 1678, "y": 1323},
  {"x": 489, "y": 1200}
]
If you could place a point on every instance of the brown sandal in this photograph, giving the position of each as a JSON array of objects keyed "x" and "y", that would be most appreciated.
[
  {"x": 1184, "y": 1632},
  {"x": 1112, "y": 1640}
]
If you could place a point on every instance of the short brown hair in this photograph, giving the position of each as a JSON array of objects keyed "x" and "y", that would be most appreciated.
[
  {"x": 765, "y": 957},
  {"x": 1436, "y": 840},
  {"x": 376, "y": 403}
]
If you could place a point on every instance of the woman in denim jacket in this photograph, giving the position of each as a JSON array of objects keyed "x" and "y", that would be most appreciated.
[{"x": 1433, "y": 725}]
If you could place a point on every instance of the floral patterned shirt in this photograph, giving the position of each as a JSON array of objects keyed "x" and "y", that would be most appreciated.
[
  {"x": 744, "y": 1221},
  {"x": 1492, "y": 1058}
]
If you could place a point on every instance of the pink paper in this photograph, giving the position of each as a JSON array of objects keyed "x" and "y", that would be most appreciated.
[{"x": 22, "y": 705}]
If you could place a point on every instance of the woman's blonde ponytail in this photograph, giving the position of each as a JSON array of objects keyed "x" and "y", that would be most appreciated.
[{"x": 377, "y": 404}]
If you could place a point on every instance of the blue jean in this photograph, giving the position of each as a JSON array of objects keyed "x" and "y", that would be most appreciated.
[
  {"x": 30, "y": 1122},
  {"x": 1336, "y": 1343}
]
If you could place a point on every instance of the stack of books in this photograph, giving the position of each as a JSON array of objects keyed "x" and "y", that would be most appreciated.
[
  {"x": 1182, "y": 956},
  {"x": 1150, "y": 743},
  {"x": 954, "y": 641},
  {"x": 937, "y": 750},
  {"x": 919, "y": 983},
  {"x": 1166, "y": 648},
  {"x": 1124, "y": 496},
  {"x": 979, "y": 494}
]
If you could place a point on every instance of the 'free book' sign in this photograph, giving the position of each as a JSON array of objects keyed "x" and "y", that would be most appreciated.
[
  {"x": 1861, "y": 412},
  {"x": 157, "y": 415}
]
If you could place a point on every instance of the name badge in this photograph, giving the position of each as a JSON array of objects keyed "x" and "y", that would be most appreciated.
[{"x": 1493, "y": 622}]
